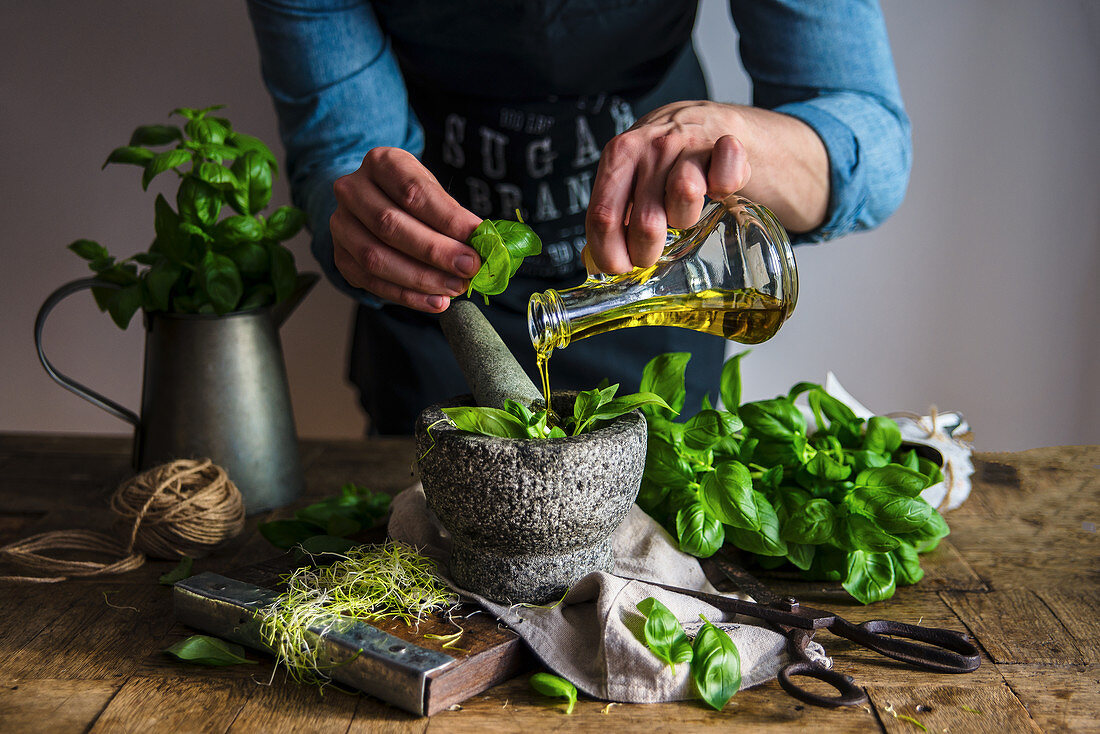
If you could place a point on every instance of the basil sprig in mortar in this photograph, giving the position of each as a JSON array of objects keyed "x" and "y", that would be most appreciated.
[{"x": 841, "y": 503}]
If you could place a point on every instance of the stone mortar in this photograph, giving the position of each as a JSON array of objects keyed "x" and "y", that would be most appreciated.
[{"x": 529, "y": 517}]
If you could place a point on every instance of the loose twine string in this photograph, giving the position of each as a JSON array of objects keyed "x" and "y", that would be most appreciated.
[{"x": 183, "y": 508}]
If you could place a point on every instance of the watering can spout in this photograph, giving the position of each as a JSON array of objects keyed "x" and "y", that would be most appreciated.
[{"x": 281, "y": 311}]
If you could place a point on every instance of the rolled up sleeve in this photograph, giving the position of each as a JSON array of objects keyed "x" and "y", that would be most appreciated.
[
  {"x": 338, "y": 93},
  {"x": 829, "y": 65}
]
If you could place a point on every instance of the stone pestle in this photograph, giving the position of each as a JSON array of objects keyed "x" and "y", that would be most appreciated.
[{"x": 491, "y": 369}]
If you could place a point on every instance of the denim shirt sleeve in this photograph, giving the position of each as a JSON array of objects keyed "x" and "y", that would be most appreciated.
[
  {"x": 338, "y": 93},
  {"x": 829, "y": 65}
]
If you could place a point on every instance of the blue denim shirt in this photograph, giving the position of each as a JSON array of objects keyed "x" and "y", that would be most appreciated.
[{"x": 338, "y": 90}]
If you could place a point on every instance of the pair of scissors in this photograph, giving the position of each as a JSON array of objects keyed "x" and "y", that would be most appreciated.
[{"x": 929, "y": 648}]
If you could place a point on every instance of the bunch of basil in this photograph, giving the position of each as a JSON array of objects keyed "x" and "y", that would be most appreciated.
[
  {"x": 200, "y": 262},
  {"x": 841, "y": 503}
]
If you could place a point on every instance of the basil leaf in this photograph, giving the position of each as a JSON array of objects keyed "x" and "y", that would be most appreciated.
[
  {"x": 664, "y": 375},
  {"x": 257, "y": 296},
  {"x": 284, "y": 274},
  {"x": 89, "y": 250},
  {"x": 814, "y": 523},
  {"x": 215, "y": 175},
  {"x": 253, "y": 260},
  {"x": 892, "y": 511},
  {"x": 123, "y": 304},
  {"x": 245, "y": 143},
  {"x": 715, "y": 666},
  {"x": 829, "y": 564},
  {"x": 155, "y": 135},
  {"x": 220, "y": 281},
  {"x": 206, "y": 130},
  {"x": 928, "y": 536},
  {"x": 777, "y": 418},
  {"x": 284, "y": 223},
  {"x": 801, "y": 555},
  {"x": 162, "y": 162},
  {"x": 765, "y": 539},
  {"x": 585, "y": 406},
  {"x": 882, "y": 435},
  {"x": 198, "y": 201},
  {"x": 708, "y": 427},
  {"x": 860, "y": 532},
  {"x": 520, "y": 241},
  {"x": 860, "y": 460},
  {"x": 133, "y": 155},
  {"x": 253, "y": 190},
  {"x": 870, "y": 576},
  {"x": 492, "y": 278},
  {"x": 907, "y": 570},
  {"x": 826, "y": 467},
  {"x": 486, "y": 421},
  {"x": 159, "y": 280},
  {"x": 727, "y": 495},
  {"x": 623, "y": 405},
  {"x": 204, "y": 650},
  {"x": 730, "y": 385},
  {"x": 929, "y": 469},
  {"x": 893, "y": 476},
  {"x": 286, "y": 533},
  {"x": 698, "y": 534},
  {"x": 179, "y": 573},
  {"x": 664, "y": 464},
  {"x": 663, "y": 634},
  {"x": 555, "y": 687}
]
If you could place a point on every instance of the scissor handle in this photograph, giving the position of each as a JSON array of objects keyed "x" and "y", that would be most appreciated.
[
  {"x": 850, "y": 693},
  {"x": 939, "y": 650}
]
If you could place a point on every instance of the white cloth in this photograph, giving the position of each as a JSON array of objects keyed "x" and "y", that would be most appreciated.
[
  {"x": 947, "y": 433},
  {"x": 594, "y": 636}
]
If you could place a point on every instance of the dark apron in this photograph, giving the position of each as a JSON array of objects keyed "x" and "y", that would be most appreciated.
[{"x": 565, "y": 78}]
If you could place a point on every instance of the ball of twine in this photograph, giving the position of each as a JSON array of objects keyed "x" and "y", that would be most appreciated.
[{"x": 183, "y": 508}]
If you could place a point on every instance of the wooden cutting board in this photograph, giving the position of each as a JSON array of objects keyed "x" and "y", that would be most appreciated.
[{"x": 387, "y": 659}]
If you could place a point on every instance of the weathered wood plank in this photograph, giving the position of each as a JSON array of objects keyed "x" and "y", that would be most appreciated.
[
  {"x": 104, "y": 634},
  {"x": 374, "y": 717},
  {"x": 1077, "y": 607},
  {"x": 1015, "y": 626},
  {"x": 1058, "y": 698},
  {"x": 177, "y": 705},
  {"x": 940, "y": 708},
  {"x": 289, "y": 707},
  {"x": 49, "y": 706}
]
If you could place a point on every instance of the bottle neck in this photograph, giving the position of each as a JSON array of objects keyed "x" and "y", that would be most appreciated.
[{"x": 548, "y": 322}]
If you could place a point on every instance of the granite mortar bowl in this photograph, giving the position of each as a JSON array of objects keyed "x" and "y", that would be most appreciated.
[{"x": 529, "y": 517}]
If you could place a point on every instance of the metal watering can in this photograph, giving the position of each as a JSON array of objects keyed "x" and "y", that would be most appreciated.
[{"x": 213, "y": 387}]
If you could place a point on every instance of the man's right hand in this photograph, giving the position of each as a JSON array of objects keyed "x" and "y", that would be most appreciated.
[{"x": 397, "y": 234}]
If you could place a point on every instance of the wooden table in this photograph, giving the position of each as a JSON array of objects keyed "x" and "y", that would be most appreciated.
[{"x": 1020, "y": 571}]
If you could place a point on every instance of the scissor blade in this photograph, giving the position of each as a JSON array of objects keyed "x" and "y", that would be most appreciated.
[{"x": 800, "y": 617}]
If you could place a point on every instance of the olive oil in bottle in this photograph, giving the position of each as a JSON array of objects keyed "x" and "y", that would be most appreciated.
[{"x": 732, "y": 275}]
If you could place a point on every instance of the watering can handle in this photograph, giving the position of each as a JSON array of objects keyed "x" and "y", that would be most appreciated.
[{"x": 67, "y": 382}]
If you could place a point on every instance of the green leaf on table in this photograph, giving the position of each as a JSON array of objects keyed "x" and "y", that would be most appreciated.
[
  {"x": 205, "y": 650},
  {"x": 287, "y": 533},
  {"x": 894, "y": 512},
  {"x": 555, "y": 687},
  {"x": 861, "y": 532},
  {"x": 707, "y": 427},
  {"x": 870, "y": 576},
  {"x": 663, "y": 634},
  {"x": 715, "y": 666},
  {"x": 664, "y": 376},
  {"x": 179, "y": 573},
  {"x": 895, "y": 477},
  {"x": 765, "y": 539},
  {"x": 907, "y": 570},
  {"x": 814, "y": 522},
  {"x": 777, "y": 418},
  {"x": 882, "y": 435}
]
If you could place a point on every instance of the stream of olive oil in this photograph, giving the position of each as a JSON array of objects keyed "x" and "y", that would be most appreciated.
[{"x": 747, "y": 316}]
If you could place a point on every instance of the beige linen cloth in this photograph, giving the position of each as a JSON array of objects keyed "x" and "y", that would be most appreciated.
[{"x": 594, "y": 636}]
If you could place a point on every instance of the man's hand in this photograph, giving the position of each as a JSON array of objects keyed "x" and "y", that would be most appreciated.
[
  {"x": 656, "y": 175},
  {"x": 397, "y": 234}
]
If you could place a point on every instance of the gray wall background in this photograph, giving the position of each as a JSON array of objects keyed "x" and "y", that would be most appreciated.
[{"x": 979, "y": 295}]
